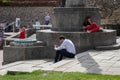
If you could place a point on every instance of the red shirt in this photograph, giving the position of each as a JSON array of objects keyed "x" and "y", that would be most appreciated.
[
  {"x": 93, "y": 27},
  {"x": 22, "y": 35}
]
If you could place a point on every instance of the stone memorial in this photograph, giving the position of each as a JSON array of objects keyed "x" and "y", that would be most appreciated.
[
  {"x": 71, "y": 17},
  {"x": 68, "y": 22}
]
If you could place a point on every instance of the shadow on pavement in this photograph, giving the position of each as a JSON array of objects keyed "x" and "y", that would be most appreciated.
[{"x": 86, "y": 61}]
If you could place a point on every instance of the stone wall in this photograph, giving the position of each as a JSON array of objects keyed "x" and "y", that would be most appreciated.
[
  {"x": 31, "y": 3},
  {"x": 83, "y": 41},
  {"x": 16, "y": 53},
  {"x": 28, "y": 15}
]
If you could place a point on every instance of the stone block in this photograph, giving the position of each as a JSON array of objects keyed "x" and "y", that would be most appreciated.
[
  {"x": 12, "y": 54},
  {"x": 18, "y": 53}
]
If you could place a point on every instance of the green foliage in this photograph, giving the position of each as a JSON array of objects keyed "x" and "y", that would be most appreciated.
[
  {"x": 5, "y": 0},
  {"x": 118, "y": 32},
  {"x": 46, "y": 75}
]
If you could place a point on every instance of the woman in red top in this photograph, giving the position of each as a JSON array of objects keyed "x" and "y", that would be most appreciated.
[
  {"x": 22, "y": 34},
  {"x": 90, "y": 26}
]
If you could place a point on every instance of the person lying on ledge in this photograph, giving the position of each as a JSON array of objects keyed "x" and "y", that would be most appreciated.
[
  {"x": 66, "y": 49},
  {"x": 90, "y": 26}
]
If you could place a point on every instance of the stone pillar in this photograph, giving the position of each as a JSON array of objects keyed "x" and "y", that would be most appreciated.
[
  {"x": 71, "y": 18},
  {"x": 75, "y": 3}
]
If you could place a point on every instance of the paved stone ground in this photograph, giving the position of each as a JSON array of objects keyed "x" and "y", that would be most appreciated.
[
  {"x": 92, "y": 61},
  {"x": 1, "y": 57}
]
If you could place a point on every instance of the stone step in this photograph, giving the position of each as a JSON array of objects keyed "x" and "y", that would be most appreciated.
[
  {"x": 110, "y": 47},
  {"x": 67, "y": 66},
  {"x": 53, "y": 66},
  {"x": 22, "y": 66},
  {"x": 4, "y": 68},
  {"x": 32, "y": 65}
]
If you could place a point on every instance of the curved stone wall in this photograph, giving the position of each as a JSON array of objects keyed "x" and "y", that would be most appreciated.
[{"x": 82, "y": 40}]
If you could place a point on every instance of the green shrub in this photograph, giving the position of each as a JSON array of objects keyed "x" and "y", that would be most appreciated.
[{"x": 118, "y": 32}]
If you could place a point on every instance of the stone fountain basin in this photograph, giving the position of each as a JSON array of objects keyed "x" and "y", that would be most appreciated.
[
  {"x": 24, "y": 42},
  {"x": 82, "y": 40}
]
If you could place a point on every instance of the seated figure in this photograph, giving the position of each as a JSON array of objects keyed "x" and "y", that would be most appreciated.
[
  {"x": 37, "y": 24},
  {"x": 22, "y": 34},
  {"x": 90, "y": 26}
]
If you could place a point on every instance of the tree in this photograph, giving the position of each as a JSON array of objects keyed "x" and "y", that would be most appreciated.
[
  {"x": 107, "y": 7},
  {"x": 5, "y": 0}
]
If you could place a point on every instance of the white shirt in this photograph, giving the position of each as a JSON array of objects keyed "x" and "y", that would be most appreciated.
[
  {"x": 47, "y": 18},
  {"x": 37, "y": 23},
  {"x": 68, "y": 45}
]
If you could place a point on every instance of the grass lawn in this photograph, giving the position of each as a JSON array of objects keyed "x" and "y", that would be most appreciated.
[{"x": 45, "y": 75}]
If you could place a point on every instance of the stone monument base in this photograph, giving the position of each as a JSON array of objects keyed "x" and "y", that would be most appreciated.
[
  {"x": 71, "y": 18},
  {"x": 83, "y": 41}
]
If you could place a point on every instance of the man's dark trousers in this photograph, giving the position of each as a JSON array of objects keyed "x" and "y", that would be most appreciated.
[{"x": 61, "y": 53}]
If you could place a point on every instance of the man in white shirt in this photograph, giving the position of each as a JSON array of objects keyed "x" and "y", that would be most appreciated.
[
  {"x": 66, "y": 49},
  {"x": 47, "y": 19}
]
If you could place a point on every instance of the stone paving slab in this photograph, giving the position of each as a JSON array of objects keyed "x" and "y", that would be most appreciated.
[
  {"x": 1, "y": 57},
  {"x": 114, "y": 70},
  {"x": 67, "y": 66},
  {"x": 4, "y": 68},
  {"x": 116, "y": 65},
  {"x": 110, "y": 47},
  {"x": 76, "y": 68},
  {"x": 22, "y": 66},
  {"x": 51, "y": 66}
]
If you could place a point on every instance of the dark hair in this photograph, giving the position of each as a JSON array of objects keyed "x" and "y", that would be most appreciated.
[
  {"x": 86, "y": 22},
  {"x": 61, "y": 37},
  {"x": 87, "y": 17}
]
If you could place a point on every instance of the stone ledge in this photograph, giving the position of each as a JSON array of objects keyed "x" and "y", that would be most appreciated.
[
  {"x": 18, "y": 53},
  {"x": 110, "y": 47},
  {"x": 83, "y": 41},
  {"x": 37, "y": 43}
]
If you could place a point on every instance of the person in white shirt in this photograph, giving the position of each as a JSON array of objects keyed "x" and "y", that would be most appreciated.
[
  {"x": 66, "y": 49},
  {"x": 47, "y": 19}
]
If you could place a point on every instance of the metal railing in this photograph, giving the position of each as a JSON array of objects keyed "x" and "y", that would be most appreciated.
[{"x": 10, "y": 24}]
